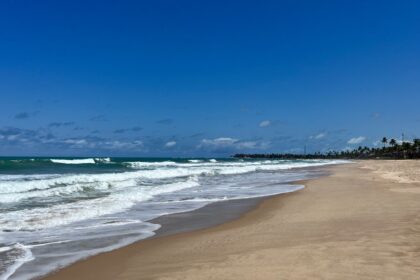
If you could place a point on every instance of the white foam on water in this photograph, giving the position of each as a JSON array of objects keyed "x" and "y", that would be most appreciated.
[
  {"x": 47, "y": 243},
  {"x": 67, "y": 189},
  {"x": 106, "y": 160},
  {"x": 145, "y": 164},
  {"x": 145, "y": 233},
  {"x": 195, "y": 160},
  {"x": 4, "y": 249},
  {"x": 74, "y": 161},
  {"x": 21, "y": 186},
  {"x": 63, "y": 214},
  {"x": 11, "y": 190},
  {"x": 27, "y": 177},
  {"x": 81, "y": 254},
  {"x": 26, "y": 257}
]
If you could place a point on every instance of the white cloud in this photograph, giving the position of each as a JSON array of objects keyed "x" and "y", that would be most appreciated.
[
  {"x": 78, "y": 142},
  {"x": 265, "y": 123},
  {"x": 294, "y": 150},
  {"x": 356, "y": 140},
  {"x": 247, "y": 145},
  {"x": 101, "y": 144},
  {"x": 219, "y": 142},
  {"x": 320, "y": 136},
  {"x": 232, "y": 143},
  {"x": 43, "y": 138},
  {"x": 121, "y": 145},
  {"x": 260, "y": 145},
  {"x": 170, "y": 144}
]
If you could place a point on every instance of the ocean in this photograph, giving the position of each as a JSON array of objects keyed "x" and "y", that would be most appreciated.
[{"x": 55, "y": 211}]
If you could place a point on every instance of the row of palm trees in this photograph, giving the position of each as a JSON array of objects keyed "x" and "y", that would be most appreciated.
[
  {"x": 391, "y": 149},
  {"x": 404, "y": 149}
]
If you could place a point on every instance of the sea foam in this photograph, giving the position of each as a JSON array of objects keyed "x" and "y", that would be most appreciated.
[{"x": 74, "y": 161}]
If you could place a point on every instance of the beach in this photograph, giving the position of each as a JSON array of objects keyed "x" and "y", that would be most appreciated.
[
  {"x": 209, "y": 140},
  {"x": 355, "y": 223}
]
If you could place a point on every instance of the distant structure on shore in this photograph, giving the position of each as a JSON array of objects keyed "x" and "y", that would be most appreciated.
[{"x": 390, "y": 150}]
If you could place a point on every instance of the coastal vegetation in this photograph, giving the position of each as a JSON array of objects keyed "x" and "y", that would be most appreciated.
[{"x": 390, "y": 149}]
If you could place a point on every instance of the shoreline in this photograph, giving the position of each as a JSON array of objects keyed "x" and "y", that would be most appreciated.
[
  {"x": 204, "y": 218},
  {"x": 347, "y": 225},
  {"x": 197, "y": 220},
  {"x": 233, "y": 209}
]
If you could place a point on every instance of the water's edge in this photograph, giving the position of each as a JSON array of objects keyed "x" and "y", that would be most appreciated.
[
  {"x": 220, "y": 212},
  {"x": 198, "y": 219},
  {"x": 208, "y": 216}
]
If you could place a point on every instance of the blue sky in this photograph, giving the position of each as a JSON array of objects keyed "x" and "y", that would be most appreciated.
[{"x": 195, "y": 78}]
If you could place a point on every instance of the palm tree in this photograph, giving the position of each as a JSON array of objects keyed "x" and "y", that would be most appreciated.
[
  {"x": 384, "y": 141},
  {"x": 393, "y": 142}
]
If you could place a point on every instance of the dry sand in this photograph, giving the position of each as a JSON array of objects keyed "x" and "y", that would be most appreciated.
[{"x": 349, "y": 225}]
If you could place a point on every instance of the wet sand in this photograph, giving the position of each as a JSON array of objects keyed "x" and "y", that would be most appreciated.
[{"x": 351, "y": 224}]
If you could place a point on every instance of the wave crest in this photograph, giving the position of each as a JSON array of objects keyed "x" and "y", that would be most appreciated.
[{"x": 74, "y": 161}]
